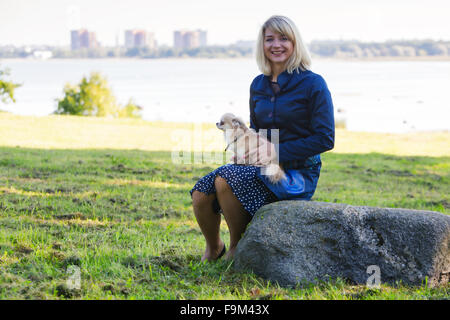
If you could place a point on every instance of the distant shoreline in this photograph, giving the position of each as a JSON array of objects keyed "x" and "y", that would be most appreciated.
[
  {"x": 314, "y": 58},
  {"x": 374, "y": 59}
]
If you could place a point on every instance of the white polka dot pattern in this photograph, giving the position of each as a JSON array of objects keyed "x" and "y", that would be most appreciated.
[{"x": 244, "y": 183}]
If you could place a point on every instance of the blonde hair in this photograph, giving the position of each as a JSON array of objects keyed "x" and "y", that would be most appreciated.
[{"x": 300, "y": 57}]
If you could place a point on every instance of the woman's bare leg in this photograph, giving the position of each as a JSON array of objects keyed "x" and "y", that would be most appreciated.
[
  {"x": 209, "y": 223},
  {"x": 234, "y": 213}
]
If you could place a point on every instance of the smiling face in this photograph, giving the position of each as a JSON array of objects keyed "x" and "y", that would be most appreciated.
[{"x": 277, "y": 47}]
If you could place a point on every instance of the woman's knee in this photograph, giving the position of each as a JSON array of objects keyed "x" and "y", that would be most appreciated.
[{"x": 221, "y": 185}]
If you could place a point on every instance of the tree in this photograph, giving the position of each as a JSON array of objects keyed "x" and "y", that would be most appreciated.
[
  {"x": 7, "y": 87},
  {"x": 130, "y": 110},
  {"x": 93, "y": 97}
]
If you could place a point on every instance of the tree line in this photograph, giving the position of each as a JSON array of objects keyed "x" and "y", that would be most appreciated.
[
  {"x": 231, "y": 51},
  {"x": 357, "y": 49},
  {"x": 322, "y": 48}
]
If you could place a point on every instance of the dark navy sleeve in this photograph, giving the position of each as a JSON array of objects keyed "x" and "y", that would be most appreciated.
[
  {"x": 321, "y": 127},
  {"x": 253, "y": 123}
]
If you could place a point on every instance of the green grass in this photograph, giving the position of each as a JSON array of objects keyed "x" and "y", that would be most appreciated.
[{"x": 124, "y": 216}]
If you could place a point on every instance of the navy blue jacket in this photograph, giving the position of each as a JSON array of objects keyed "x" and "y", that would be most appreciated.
[{"x": 302, "y": 111}]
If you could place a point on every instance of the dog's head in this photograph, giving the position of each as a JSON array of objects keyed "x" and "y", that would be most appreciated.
[{"x": 230, "y": 121}]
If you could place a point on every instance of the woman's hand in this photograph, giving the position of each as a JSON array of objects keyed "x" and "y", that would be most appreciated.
[{"x": 263, "y": 155}]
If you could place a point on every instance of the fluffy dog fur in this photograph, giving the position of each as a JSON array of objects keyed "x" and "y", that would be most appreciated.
[{"x": 240, "y": 139}]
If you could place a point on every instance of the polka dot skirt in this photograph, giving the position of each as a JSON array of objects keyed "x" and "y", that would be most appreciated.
[{"x": 245, "y": 184}]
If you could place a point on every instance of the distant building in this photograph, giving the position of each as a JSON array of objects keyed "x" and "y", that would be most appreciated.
[
  {"x": 139, "y": 38},
  {"x": 178, "y": 39},
  {"x": 184, "y": 39},
  {"x": 83, "y": 39},
  {"x": 203, "y": 38},
  {"x": 129, "y": 39}
]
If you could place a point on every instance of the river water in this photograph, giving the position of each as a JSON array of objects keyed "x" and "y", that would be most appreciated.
[{"x": 377, "y": 96}]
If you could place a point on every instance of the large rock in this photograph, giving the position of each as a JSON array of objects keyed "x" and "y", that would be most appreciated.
[{"x": 291, "y": 242}]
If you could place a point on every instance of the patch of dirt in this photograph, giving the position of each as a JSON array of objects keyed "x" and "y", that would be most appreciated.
[
  {"x": 120, "y": 167},
  {"x": 70, "y": 216},
  {"x": 123, "y": 168},
  {"x": 56, "y": 190},
  {"x": 400, "y": 173},
  {"x": 71, "y": 261},
  {"x": 108, "y": 287},
  {"x": 57, "y": 245},
  {"x": 58, "y": 255},
  {"x": 119, "y": 201},
  {"x": 363, "y": 294},
  {"x": 36, "y": 207},
  {"x": 168, "y": 213},
  {"x": 82, "y": 201},
  {"x": 136, "y": 262},
  {"x": 64, "y": 291},
  {"x": 168, "y": 260},
  {"x": 22, "y": 248},
  {"x": 119, "y": 288}
]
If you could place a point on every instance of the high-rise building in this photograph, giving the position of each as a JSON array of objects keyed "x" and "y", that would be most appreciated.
[
  {"x": 129, "y": 39},
  {"x": 203, "y": 38},
  {"x": 178, "y": 39},
  {"x": 82, "y": 38},
  {"x": 139, "y": 38},
  {"x": 184, "y": 39},
  {"x": 74, "y": 40}
]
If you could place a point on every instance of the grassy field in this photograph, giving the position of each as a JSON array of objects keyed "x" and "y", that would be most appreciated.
[{"x": 105, "y": 196}]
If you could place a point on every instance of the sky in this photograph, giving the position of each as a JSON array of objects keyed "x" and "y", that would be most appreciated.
[{"x": 33, "y": 22}]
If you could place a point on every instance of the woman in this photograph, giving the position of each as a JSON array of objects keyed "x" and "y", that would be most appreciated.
[{"x": 287, "y": 99}]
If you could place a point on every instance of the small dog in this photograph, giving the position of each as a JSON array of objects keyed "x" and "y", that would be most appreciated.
[{"x": 242, "y": 140}]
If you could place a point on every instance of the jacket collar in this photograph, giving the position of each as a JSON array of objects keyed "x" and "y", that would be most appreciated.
[{"x": 282, "y": 80}]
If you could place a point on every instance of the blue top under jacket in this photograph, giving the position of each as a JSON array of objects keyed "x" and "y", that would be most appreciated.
[{"x": 302, "y": 110}]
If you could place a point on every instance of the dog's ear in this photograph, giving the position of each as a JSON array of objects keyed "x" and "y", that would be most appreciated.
[{"x": 238, "y": 123}]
